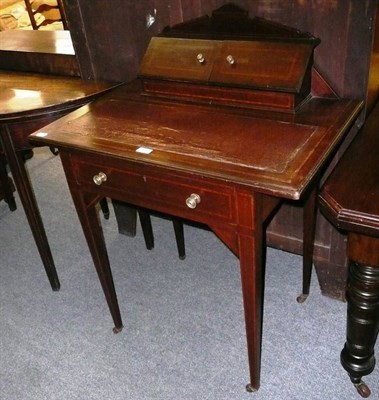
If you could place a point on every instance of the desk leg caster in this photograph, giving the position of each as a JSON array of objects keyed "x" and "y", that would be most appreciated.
[
  {"x": 362, "y": 388},
  {"x": 117, "y": 330},
  {"x": 250, "y": 388},
  {"x": 300, "y": 299}
]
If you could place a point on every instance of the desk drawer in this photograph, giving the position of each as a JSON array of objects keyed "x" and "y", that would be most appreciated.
[
  {"x": 197, "y": 199},
  {"x": 262, "y": 65},
  {"x": 182, "y": 59}
]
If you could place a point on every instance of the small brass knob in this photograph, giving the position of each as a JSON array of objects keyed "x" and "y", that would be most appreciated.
[
  {"x": 200, "y": 58},
  {"x": 230, "y": 59},
  {"x": 99, "y": 178},
  {"x": 193, "y": 200}
]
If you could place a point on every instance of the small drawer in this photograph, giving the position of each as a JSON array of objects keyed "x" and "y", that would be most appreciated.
[
  {"x": 262, "y": 65},
  {"x": 199, "y": 200},
  {"x": 182, "y": 59}
]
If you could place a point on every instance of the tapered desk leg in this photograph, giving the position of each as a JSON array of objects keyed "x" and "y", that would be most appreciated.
[
  {"x": 251, "y": 264},
  {"x": 28, "y": 200},
  {"x": 85, "y": 205},
  {"x": 309, "y": 226}
]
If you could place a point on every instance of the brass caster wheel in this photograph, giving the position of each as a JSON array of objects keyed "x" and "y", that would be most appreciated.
[
  {"x": 300, "y": 299},
  {"x": 117, "y": 330},
  {"x": 250, "y": 388},
  {"x": 363, "y": 389}
]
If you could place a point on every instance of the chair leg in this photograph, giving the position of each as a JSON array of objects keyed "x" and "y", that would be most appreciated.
[
  {"x": 63, "y": 14},
  {"x": 147, "y": 229},
  {"x": 126, "y": 223},
  {"x": 104, "y": 207},
  {"x": 148, "y": 235},
  {"x": 6, "y": 187},
  {"x": 31, "y": 14},
  {"x": 179, "y": 236},
  {"x": 6, "y": 184}
]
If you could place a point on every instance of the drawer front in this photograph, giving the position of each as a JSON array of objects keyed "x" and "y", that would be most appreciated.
[
  {"x": 262, "y": 65},
  {"x": 182, "y": 59},
  {"x": 198, "y": 200}
]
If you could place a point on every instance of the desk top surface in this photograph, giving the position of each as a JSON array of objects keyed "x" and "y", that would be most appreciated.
[
  {"x": 27, "y": 94},
  {"x": 273, "y": 153}
]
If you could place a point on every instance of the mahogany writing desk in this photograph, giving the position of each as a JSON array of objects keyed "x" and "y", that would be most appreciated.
[{"x": 225, "y": 167}]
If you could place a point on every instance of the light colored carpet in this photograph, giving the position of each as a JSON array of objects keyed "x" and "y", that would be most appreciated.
[{"x": 184, "y": 332}]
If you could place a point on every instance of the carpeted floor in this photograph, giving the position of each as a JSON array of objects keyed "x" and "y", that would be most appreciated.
[{"x": 184, "y": 330}]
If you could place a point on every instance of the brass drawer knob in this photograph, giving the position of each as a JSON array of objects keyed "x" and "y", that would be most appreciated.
[
  {"x": 200, "y": 58},
  {"x": 230, "y": 59},
  {"x": 99, "y": 178},
  {"x": 193, "y": 200}
]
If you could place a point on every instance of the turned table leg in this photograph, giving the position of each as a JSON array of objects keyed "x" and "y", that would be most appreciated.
[{"x": 357, "y": 356}]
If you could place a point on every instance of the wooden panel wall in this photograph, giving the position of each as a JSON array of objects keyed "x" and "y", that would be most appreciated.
[
  {"x": 373, "y": 79},
  {"x": 110, "y": 38}
]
